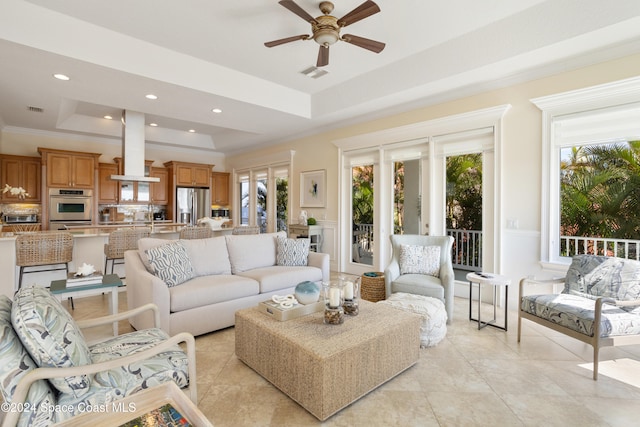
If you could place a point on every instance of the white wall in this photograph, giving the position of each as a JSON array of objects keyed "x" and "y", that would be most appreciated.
[{"x": 521, "y": 145}]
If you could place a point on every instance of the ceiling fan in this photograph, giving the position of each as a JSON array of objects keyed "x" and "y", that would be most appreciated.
[{"x": 326, "y": 28}]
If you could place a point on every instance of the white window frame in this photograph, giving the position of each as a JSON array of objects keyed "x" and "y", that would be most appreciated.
[{"x": 554, "y": 108}]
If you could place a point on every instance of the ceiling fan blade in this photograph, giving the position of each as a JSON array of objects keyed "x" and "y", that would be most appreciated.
[
  {"x": 293, "y": 7},
  {"x": 323, "y": 56},
  {"x": 365, "y": 10},
  {"x": 286, "y": 40},
  {"x": 372, "y": 45}
]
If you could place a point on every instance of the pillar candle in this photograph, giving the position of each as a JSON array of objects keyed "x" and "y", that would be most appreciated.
[
  {"x": 334, "y": 297},
  {"x": 348, "y": 290}
]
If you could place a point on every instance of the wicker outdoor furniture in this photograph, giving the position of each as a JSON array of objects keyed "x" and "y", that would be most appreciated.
[
  {"x": 121, "y": 241},
  {"x": 43, "y": 249},
  {"x": 196, "y": 232}
]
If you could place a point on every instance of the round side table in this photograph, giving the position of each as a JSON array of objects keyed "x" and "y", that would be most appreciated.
[{"x": 496, "y": 281}]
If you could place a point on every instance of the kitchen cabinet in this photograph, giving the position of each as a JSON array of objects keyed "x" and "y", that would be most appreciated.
[
  {"x": 107, "y": 187},
  {"x": 220, "y": 188},
  {"x": 191, "y": 174},
  {"x": 160, "y": 190},
  {"x": 20, "y": 171},
  {"x": 69, "y": 169},
  {"x": 183, "y": 174}
]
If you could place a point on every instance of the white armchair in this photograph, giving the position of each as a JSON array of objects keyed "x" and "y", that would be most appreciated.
[{"x": 440, "y": 287}]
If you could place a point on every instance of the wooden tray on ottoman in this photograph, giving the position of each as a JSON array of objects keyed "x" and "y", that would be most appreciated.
[{"x": 327, "y": 367}]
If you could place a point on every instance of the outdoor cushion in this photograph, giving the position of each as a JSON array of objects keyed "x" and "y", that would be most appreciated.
[
  {"x": 50, "y": 335},
  {"x": 15, "y": 363},
  {"x": 609, "y": 277},
  {"x": 578, "y": 313}
]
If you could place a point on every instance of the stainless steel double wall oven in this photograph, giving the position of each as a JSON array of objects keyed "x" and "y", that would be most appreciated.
[{"x": 68, "y": 207}]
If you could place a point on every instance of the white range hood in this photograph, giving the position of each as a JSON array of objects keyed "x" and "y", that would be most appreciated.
[{"x": 133, "y": 148}]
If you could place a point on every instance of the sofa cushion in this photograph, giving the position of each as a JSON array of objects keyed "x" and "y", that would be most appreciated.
[
  {"x": 208, "y": 256},
  {"x": 610, "y": 277},
  {"x": 251, "y": 251},
  {"x": 171, "y": 263},
  {"x": 578, "y": 313},
  {"x": 50, "y": 335},
  {"x": 418, "y": 259},
  {"x": 15, "y": 363},
  {"x": 292, "y": 252},
  {"x": 147, "y": 243},
  {"x": 276, "y": 278},
  {"x": 206, "y": 290}
]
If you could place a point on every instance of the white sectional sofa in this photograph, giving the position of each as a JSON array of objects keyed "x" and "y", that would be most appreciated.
[{"x": 199, "y": 284}]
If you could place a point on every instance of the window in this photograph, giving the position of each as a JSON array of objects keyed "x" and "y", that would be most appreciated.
[
  {"x": 591, "y": 172},
  {"x": 263, "y": 192}
]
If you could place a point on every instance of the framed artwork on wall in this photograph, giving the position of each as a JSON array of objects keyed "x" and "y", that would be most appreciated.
[{"x": 313, "y": 189}]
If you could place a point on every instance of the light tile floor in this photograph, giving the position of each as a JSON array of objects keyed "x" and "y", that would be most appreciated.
[{"x": 472, "y": 378}]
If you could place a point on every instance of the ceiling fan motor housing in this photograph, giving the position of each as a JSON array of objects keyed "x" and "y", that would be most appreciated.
[{"x": 326, "y": 31}]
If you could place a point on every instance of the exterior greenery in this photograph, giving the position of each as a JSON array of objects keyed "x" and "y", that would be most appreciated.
[
  {"x": 600, "y": 191},
  {"x": 362, "y": 197},
  {"x": 464, "y": 192}
]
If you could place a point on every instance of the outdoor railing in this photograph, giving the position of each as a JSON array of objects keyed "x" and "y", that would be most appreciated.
[
  {"x": 622, "y": 248},
  {"x": 466, "y": 253}
]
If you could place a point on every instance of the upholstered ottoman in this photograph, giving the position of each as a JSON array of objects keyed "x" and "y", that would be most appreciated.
[{"x": 433, "y": 327}]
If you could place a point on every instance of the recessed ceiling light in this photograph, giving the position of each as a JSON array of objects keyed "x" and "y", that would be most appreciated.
[
  {"x": 108, "y": 117},
  {"x": 61, "y": 77},
  {"x": 151, "y": 96},
  {"x": 153, "y": 124},
  {"x": 217, "y": 110},
  {"x": 192, "y": 130}
]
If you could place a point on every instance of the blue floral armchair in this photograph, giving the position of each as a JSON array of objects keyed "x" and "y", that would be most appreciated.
[{"x": 45, "y": 362}]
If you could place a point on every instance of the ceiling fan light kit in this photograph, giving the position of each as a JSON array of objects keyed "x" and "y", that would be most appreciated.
[{"x": 326, "y": 28}]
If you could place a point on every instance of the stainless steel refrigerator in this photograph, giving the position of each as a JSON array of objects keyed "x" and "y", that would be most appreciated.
[{"x": 192, "y": 204}]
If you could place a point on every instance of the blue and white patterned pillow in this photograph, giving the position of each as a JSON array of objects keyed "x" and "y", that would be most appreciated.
[
  {"x": 171, "y": 263},
  {"x": 416, "y": 259},
  {"x": 15, "y": 363},
  {"x": 51, "y": 336},
  {"x": 292, "y": 252}
]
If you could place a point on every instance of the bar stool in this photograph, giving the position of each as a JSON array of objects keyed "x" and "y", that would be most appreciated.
[
  {"x": 43, "y": 248},
  {"x": 121, "y": 241},
  {"x": 196, "y": 232}
]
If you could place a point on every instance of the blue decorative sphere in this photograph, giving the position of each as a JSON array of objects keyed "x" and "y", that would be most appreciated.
[{"x": 307, "y": 292}]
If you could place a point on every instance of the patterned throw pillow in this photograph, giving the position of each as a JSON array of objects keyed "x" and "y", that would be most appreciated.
[
  {"x": 171, "y": 263},
  {"x": 51, "y": 336},
  {"x": 15, "y": 363},
  {"x": 292, "y": 252},
  {"x": 415, "y": 259}
]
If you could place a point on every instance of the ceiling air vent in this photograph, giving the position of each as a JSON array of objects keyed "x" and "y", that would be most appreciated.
[
  {"x": 35, "y": 109},
  {"x": 314, "y": 72}
]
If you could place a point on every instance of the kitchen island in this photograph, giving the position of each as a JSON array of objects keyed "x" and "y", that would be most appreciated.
[{"x": 88, "y": 247}]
